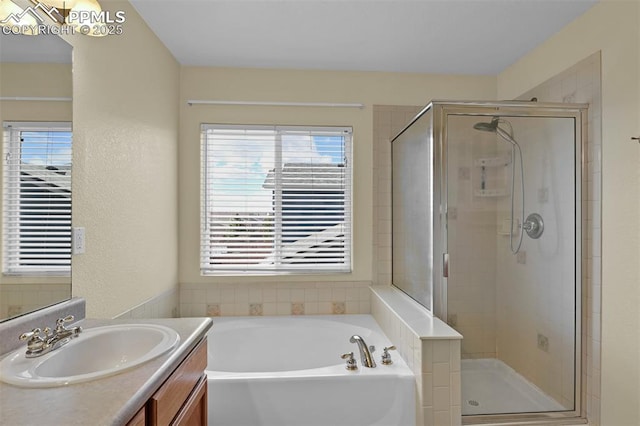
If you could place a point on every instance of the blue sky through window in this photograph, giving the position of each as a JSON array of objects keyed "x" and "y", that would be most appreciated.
[
  {"x": 45, "y": 148},
  {"x": 240, "y": 166},
  {"x": 330, "y": 146}
]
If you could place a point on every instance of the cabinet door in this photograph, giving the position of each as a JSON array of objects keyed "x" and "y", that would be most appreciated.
[
  {"x": 194, "y": 411},
  {"x": 139, "y": 419},
  {"x": 166, "y": 403}
]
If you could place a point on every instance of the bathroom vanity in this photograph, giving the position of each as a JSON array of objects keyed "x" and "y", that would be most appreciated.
[
  {"x": 182, "y": 398},
  {"x": 170, "y": 389}
]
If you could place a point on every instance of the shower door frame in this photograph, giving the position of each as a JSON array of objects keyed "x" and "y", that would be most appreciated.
[{"x": 441, "y": 110}]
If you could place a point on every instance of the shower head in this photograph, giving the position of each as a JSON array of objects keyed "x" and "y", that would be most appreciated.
[
  {"x": 487, "y": 127},
  {"x": 494, "y": 128}
]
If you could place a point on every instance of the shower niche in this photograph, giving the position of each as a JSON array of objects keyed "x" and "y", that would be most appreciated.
[
  {"x": 491, "y": 181},
  {"x": 486, "y": 234}
]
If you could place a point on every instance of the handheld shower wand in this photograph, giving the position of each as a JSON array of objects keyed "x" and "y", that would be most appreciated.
[{"x": 494, "y": 127}]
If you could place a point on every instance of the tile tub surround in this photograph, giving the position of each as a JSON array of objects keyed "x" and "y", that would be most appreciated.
[
  {"x": 165, "y": 305},
  {"x": 275, "y": 298},
  {"x": 431, "y": 349},
  {"x": 24, "y": 297},
  {"x": 126, "y": 392}
]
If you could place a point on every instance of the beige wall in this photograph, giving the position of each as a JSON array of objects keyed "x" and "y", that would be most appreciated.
[
  {"x": 22, "y": 294},
  {"x": 301, "y": 86},
  {"x": 124, "y": 164},
  {"x": 613, "y": 28}
]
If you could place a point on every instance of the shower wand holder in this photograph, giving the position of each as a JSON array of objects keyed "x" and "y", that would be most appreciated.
[
  {"x": 490, "y": 192},
  {"x": 492, "y": 161}
]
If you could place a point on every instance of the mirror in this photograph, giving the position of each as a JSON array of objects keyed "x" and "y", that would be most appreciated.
[{"x": 36, "y": 112}]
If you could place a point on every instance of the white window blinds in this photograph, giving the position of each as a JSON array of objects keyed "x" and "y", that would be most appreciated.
[
  {"x": 37, "y": 198},
  {"x": 275, "y": 199}
]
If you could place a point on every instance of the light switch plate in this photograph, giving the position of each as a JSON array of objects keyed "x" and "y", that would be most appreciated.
[{"x": 78, "y": 245}]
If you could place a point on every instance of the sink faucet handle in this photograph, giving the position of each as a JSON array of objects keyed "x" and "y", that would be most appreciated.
[
  {"x": 61, "y": 321},
  {"x": 33, "y": 334},
  {"x": 35, "y": 342},
  {"x": 351, "y": 361},
  {"x": 386, "y": 357}
]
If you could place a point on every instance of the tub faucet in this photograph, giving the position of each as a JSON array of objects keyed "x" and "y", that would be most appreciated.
[{"x": 365, "y": 352}]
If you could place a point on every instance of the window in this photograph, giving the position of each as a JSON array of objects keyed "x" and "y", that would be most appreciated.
[
  {"x": 275, "y": 199},
  {"x": 37, "y": 198}
]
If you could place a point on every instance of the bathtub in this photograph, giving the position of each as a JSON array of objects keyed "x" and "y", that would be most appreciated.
[{"x": 281, "y": 371}]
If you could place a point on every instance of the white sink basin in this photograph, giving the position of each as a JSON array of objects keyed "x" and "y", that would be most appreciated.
[{"x": 96, "y": 352}]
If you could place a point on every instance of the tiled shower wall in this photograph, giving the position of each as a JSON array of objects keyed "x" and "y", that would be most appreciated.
[
  {"x": 536, "y": 288},
  {"x": 472, "y": 234}
]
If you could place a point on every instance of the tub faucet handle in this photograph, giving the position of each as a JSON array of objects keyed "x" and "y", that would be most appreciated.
[
  {"x": 386, "y": 356},
  {"x": 351, "y": 361}
]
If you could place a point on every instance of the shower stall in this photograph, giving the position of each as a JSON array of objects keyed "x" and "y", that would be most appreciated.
[{"x": 487, "y": 234}]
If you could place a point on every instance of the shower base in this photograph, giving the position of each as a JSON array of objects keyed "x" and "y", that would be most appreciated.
[{"x": 489, "y": 386}]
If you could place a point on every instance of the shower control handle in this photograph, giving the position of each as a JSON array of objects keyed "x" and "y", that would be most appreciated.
[{"x": 534, "y": 226}]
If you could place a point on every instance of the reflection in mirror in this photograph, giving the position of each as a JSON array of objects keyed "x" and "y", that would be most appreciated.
[{"x": 35, "y": 178}]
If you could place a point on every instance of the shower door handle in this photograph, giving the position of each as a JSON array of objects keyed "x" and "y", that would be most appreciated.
[{"x": 445, "y": 265}]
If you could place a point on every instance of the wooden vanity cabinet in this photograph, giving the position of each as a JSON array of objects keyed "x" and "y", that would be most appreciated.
[
  {"x": 182, "y": 398},
  {"x": 139, "y": 419}
]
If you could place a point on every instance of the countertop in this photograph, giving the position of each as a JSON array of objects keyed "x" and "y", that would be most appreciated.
[{"x": 111, "y": 400}]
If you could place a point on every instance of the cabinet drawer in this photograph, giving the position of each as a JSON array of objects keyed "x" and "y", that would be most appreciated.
[{"x": 167, "y": 401}]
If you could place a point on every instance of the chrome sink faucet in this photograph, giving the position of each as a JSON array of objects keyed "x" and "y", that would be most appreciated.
[
  {"x": 365, "y": 352},
  {"x": 39, "y": 344}
]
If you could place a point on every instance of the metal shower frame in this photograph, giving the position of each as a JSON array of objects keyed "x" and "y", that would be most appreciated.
[{"x": 440, "y": 111}]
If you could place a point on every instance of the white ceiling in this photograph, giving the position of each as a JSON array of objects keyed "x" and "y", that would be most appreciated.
[{"x": 432, "y": 36}]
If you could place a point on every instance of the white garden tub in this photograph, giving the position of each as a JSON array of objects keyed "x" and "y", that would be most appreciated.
[{"x": 281, "y": 371}]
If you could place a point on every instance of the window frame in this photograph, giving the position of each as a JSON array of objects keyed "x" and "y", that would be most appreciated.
[
  {"x": 209, "y": 269},
  {"x": 12, "y": 142}
]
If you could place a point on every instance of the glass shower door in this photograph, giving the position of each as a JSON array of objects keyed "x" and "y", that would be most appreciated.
[
  {"x": 412, "y": 211},
  {"x": 513, "y": 248}
]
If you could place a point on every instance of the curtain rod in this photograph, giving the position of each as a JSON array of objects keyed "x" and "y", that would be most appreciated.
[
  {"x": 30, "y": 98},
  {"x": 269, "y": 103}
]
